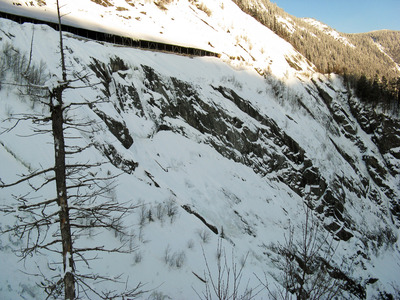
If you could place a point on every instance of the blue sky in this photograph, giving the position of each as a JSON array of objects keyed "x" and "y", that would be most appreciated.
[{"x": 350, "y": 16}]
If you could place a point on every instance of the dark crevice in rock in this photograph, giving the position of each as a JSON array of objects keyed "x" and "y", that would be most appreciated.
[
  {"x": 192, "y": 212},
  {"x": 151, "y": 177},
  {"x": 117, "y": 128},
  {"x": 128, "y": 166}
]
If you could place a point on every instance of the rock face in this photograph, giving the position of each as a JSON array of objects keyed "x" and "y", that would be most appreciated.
[
  {"x": 260, "y": 143},
  {"x": 362, "y": 144},
  {"x": 250, "y": 137},
  {"x": 268, "y": 149}
]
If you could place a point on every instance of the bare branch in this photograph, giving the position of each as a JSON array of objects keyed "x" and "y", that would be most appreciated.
[
  {"x": 128, "y": 293},
  {"x": 27, "y": 177},
  {"x": 35, "y": 205},
  {"x": 101, "y": 249},
  {"x": 26, "y": 85}
]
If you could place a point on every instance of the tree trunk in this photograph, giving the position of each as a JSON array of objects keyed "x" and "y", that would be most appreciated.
[
  {"x": 60, "y": 170},
  {"x": 62, "y": 200}
]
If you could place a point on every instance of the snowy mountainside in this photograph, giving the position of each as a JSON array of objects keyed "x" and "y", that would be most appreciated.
[
  {"x": 213, "y": 138},
  {"x": 181, "y": 23}
]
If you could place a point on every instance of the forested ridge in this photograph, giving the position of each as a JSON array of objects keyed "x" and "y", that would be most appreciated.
[
  {"x": 388, "y": 39},
  {"x": 369, "y": 61}
]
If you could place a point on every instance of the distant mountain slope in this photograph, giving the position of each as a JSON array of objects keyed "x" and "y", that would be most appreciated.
[
  {"x": 389, "y": 40},
  {"x": 329, "y": 50}
]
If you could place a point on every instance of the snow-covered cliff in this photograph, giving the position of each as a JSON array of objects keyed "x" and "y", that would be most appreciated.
[{"x": 238, "y": 145}]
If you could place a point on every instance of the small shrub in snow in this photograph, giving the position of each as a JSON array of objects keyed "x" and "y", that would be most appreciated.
[
  {"x": 167, "y": 254},
  {"x": 232, "y": 80},
  {"x": 145, "y": 215},
  {"x": 132, "y": 237},
  {"x": 174, "y": 260},
  {"x": 171, "y": 209},
  {"x": 160, "y": 212},
  {"x": 142, "y": 215},
  {"x": 24, "y": 71},
  {"x": 137, "y": 257},
  {"x": 158, "y": 296},
  {"x": 190, "y": 244},
  {"x": 150, "y": 215},
  {"x": 3, "y": 69},
  {"x": 204, "y": 235},
  {"x": 222, "y": 234},
  {"x": 179, "y": 259},
  {"x": 141, "y": 235},
  {"x": 9, "y": 109}
]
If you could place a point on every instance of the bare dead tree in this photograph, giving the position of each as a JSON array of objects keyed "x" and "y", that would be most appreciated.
[
  {"x": 84, "y": 201},
  {"x": 226, "y": 282},
  {"x": 306, "y": 261}
]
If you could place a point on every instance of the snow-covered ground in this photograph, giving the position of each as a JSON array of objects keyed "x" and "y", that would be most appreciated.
[
  {"x": 181, "y": 23},
  {"x": 254, "y": 211}
]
